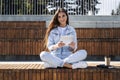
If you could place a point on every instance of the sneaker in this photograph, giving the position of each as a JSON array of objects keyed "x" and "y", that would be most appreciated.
[
  {"x": 81, "y": 64},
  {"x": 47, "y": 65}
]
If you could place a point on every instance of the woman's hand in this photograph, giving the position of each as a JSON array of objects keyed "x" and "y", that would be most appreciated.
[
  {"x": 72, "y": 45},
  {"x": 60, "y": 44}
]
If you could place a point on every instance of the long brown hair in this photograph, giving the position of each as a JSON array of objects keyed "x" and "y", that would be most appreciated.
[{"x": 53, "y": 24}]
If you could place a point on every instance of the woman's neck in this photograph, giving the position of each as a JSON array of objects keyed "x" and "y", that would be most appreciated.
[{"x": 63, "y": 25}]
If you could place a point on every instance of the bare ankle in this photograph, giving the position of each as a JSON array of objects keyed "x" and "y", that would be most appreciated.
[{"x": 67, "y": 65}]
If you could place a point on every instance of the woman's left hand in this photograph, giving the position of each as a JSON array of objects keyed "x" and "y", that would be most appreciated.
[{"x": 72, "y": 45}]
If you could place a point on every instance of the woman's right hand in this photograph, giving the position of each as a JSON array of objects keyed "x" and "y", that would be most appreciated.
[{"x": 60, "y": 44}]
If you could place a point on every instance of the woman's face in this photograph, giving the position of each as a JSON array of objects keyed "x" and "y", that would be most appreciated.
[{"x": 62, "y": 18}]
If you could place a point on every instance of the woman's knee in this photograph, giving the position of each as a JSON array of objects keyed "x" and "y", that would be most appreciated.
[
  {"x": 83, "y": 53},
  {"x": 43, "y": 54}
]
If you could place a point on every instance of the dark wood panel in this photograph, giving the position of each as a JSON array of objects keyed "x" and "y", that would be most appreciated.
[
  {"x": 100, "y": 48},
  {"x": 25, "y": 38},
  {"x": 21, "y": 37},
  {"x": 60, "y": 74},
  {"x": 98, "y": 32}
]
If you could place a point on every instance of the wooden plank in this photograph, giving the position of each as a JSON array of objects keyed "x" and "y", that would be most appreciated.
[
  {"x": 1, "y": 74},
  {"x": 38, "y": 75},
  {"x": 42, "y": 75},
  {"x": 50, "y": 74},
  {"x": 60, "y": 74},
  {"x": 25, "y": 38},
  {"x": 46, "y": 73},
  {"x": 82, "y": 74},
  {"x": 6, "y": 73},
  {"x": 70, "y": 74},
  {"x": 55, "y": 74},
  {"x": 89, "y": 74},
  {"x": 102, "y": 74},
  {"x": 15, "y": 34},
  {"x": 26, "y": 74},
  {"x": 74, "y": 74},
  {"x": 34, "y": 73},
  {"x": 79, "y": 74}
]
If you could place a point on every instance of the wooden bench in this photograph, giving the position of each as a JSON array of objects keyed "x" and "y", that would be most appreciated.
[
  {"x": 37, "y": 72},
  {"x": 21, "y": 37},
  {"x": 99, "y": 41},
  {"x": 25, "y": 38}
]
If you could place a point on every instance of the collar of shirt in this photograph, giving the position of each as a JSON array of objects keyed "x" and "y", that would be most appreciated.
[{"x": 68, "y": 30}]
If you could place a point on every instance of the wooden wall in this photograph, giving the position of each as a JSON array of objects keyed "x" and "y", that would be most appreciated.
[
  {"x": 21, "y": 38},
  {"x": 26, "y": 38},
  {"x": 99, "y": 41},
  {"x": 60, "y": 74}
]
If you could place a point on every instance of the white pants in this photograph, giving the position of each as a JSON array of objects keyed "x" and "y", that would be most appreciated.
[{"x": 53, "y": 61}]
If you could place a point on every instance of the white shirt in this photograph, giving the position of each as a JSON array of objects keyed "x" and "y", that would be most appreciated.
[{"x": 62, "y": 30}]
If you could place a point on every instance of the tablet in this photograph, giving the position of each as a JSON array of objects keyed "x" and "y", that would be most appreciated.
[{"x": 67, "y": 39}]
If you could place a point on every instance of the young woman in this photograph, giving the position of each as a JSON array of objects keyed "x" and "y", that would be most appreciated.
[{"x": 59, "y": 54}]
